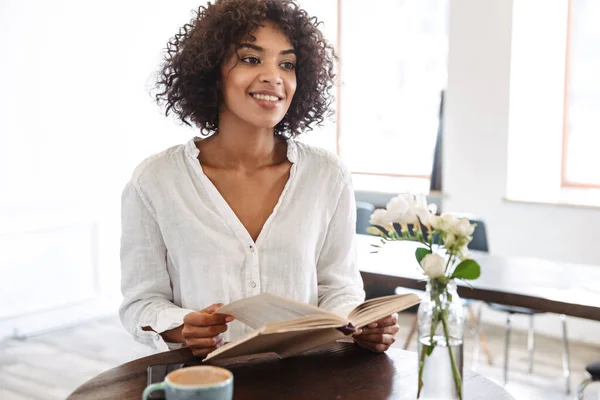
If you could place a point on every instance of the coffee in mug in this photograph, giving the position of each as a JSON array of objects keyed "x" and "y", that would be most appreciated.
[{"x": 204, "y": 382}]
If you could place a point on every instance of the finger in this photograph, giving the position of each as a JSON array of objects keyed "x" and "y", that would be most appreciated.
[
  {"x": 212, "y": 308},
  {"x": 199, "y": 352},
  {"x": 391, "y": 330},
  {"x": 388, "y": 321},
  {"x": 358, "y": 332},
  {"x": 190, "y": 332},
  {"x": 202, "y": 343},
  {"x": 228, "y": 318},
  {"x": 375, "y": 347},
  {"x": 205, "y": 319},
  {"x": 203, "y": 351},
  {"x": 378, "y": 338}
]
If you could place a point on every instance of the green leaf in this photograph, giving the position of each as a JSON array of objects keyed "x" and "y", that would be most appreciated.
[
  {"x": 468, "y": 269},
  {"x": 421, "y": 253}
]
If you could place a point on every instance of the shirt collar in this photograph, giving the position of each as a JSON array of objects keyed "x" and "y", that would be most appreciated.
[{"x": 193, "y": 152}]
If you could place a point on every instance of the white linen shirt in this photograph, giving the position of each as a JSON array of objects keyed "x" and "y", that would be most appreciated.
[{"x": 183, "y": 248}]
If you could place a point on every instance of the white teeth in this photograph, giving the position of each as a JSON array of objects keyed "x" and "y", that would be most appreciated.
[{"x": 265, "y": 97}]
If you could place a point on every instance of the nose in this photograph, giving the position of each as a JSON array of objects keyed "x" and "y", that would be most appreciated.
[{"x": 270, "y": 74}]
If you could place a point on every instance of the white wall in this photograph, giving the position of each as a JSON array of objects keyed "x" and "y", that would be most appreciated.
[
  {"x": 75, "y": 119},
  {"x": 476, "y": 153}
]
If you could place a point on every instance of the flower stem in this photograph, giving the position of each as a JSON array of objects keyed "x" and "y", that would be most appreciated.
[
  {"x": 424, "y": 354},
  {"x": 434, "y": 325},
  {"x": 448, "y": 263},
  {"x": 455, "y": 371},
  {"x": 421, "y": 367}
]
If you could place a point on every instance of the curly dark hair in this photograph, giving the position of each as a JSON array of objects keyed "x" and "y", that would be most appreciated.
[{"x": 188, "y": 79}]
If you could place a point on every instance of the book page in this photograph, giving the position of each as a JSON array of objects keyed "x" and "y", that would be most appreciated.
[
  {"x": 267, "y": 308},
  {"x": 376, "y": 309},
  {"x": 284, "y": 344},
  {"x": 308, "y": 322}
]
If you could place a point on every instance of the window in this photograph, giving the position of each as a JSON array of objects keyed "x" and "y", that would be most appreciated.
[
  {"x": 393, "y": 69},
  {"x": 545, "y": 122},
  {"x": 581, "y": 164}
]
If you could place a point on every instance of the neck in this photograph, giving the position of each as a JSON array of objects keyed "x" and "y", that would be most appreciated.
[{"x": 239, "y": 145}]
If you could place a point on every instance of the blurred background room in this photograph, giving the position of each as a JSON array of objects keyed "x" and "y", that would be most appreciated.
[{"x": 515, "y": 144}]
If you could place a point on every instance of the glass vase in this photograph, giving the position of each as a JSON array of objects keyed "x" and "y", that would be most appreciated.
[{"x": 440, "y": 321}]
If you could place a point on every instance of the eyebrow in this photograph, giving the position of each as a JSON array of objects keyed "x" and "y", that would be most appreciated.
[{"x": 258, "y": 48}]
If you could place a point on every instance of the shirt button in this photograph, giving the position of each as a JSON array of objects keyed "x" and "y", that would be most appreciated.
[
  {"x": 253, "y": 284},
  {"x": 252, "y": 248}
]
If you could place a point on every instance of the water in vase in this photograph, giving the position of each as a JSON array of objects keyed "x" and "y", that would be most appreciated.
[{"x": 438, "y": 378}]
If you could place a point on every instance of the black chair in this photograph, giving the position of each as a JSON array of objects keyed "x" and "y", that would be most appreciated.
[
  {"x": 363, "y": 216},
  {"x": 593, "y": 371}
]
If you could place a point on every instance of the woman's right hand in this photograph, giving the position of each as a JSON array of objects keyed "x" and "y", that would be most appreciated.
[{"x": 203, "y": 330}]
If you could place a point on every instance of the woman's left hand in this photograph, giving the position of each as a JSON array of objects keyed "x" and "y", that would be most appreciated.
[{"x": 380, "y": 335}]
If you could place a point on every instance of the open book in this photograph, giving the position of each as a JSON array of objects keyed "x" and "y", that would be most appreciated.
[{"x": 287, "y": 327}]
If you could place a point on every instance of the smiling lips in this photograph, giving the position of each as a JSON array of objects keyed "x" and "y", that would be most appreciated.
[{"x": 266, "y": 100}]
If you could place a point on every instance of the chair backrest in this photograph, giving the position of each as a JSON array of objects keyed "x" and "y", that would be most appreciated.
[
  {"x": 480, "y": 240},
  {"x": 363, "y": 215}
]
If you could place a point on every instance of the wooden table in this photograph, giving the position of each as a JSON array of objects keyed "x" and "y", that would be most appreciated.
[
  {"x": 561, "y": 288},
  {"x": 335, "y": 371}
]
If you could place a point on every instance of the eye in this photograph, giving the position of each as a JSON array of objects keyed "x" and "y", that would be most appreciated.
[
  {"x": 250, "y": 60},
  {"x": 288, "y": 65}
]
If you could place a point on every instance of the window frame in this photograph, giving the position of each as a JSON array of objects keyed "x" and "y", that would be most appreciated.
[
  {"x": 338, "y": 130},
  {"x": 564, "y": 181}
]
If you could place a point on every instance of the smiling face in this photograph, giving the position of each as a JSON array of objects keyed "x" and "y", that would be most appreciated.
[{"x": 258, "y": 81}]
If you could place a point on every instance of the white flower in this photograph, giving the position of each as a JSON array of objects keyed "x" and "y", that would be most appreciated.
[
  {"x": 401, "y": 209},
  {"x": 380, "y": 218},
  {"x": 433, "y": 208},
  {"x": 420, "y": 201},
  {"x": 462, "y": 227},
  {"x": 433, "y": 265},
  {"x": 444, "y": 222},
  {"x": 436, "y": 222},
  {"x": 449, "y": 240},
  {"x": 398, "y": 204},
  {"x": 448, "y": 223},
  {"x": 465, "y": 254},
  {"x": 424, "y": 212}
]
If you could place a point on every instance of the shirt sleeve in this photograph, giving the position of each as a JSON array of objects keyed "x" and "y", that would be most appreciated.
[
  {"x": 145, "y": 282},
  {"x": 340, "y": 284}
]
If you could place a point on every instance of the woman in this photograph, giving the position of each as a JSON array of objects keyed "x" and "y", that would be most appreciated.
[{"x": 245, "y": 209}]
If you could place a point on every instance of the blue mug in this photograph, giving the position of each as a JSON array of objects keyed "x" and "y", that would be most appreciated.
[{"x": 204, "y": 382}]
